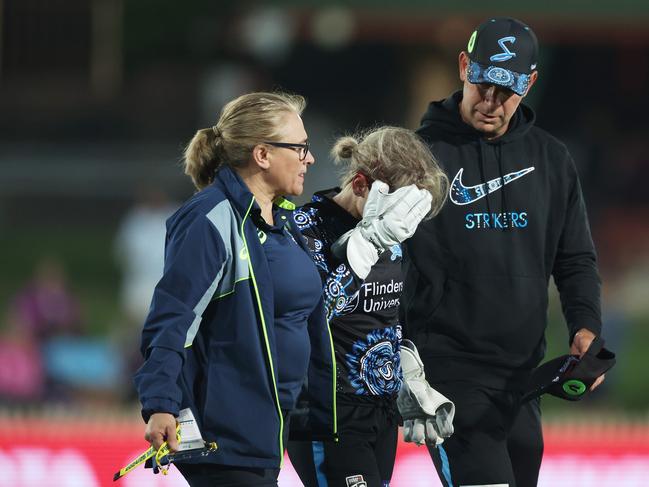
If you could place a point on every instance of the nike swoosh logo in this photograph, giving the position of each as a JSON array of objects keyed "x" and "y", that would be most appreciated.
[{"x": 463, "y": 195}]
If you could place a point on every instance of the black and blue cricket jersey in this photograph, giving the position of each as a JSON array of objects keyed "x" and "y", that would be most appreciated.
[{"x": 362, "y": 314}]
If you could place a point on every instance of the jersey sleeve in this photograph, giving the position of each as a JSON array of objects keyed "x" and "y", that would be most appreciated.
[{"x": 340, "y": 283}]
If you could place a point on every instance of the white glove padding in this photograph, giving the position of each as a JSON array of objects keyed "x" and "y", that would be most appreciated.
[
  {"x": 391, "y": 218},
  {"x": 427, "y": 414},
  {"x": 388, "y": 219},
  {"x": 432, "y": 430}
]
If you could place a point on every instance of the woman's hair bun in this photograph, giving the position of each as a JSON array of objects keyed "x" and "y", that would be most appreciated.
[{"x": 344, "y": 147}]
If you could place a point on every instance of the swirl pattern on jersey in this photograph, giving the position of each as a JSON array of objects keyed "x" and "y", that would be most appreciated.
[
  {"x": 339, "y": 279},
  {"x": 336, "y": 296},
  {"x": 374, "y": 364},
  {"x": 303, "y": 218}
]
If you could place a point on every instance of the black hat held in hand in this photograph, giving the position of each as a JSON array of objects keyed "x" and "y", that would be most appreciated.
[{"x": 570, "y": 377}]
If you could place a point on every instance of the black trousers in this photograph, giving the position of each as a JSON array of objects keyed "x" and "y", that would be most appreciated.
[
  {"x": 363, "y": 456},
  {"x": 497, "y": 440},
  {"x": 209, "y": 475}
]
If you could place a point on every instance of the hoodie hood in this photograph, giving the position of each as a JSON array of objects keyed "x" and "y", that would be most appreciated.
[{"x": 442, "y": 120}]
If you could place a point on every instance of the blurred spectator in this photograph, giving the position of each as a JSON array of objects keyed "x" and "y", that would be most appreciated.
[
  {"x": 46, "y": 307},
  {"x": 22, "y": 378},
  {"x": 43, "y": 351},
  {"x": 139, "y": 249}
]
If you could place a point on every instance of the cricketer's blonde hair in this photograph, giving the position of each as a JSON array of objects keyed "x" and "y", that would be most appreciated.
[{"x": 394, "y": 155}]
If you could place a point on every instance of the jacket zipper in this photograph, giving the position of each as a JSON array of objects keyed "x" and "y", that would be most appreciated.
[
  {"x": 334, "y": 376},
  {"x": 287, "y": 205},
  {"x": 266, "y": 343}
]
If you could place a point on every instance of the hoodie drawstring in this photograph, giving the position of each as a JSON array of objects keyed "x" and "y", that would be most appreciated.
[
  {"x": 503, "y": 192},
  {"x": 482, "y": 176}
]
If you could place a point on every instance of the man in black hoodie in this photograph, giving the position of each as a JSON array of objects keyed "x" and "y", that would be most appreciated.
[{"x": 476, "y": 276}]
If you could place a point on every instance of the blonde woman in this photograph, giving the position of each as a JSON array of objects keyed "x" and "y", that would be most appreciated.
[
  {"x": 389, "y": 184},
  {"x": 237, "y": 320}
]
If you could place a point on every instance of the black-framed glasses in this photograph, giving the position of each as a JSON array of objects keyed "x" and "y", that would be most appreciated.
[{"x": 301, "y": 149}]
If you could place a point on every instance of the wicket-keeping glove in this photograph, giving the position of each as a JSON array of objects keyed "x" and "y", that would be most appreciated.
[
  {"x": 388, "y": 219},
  {"x": 427, "y": 414}
]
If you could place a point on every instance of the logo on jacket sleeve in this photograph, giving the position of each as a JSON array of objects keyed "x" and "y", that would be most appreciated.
[{"x": 464, "y": 195}]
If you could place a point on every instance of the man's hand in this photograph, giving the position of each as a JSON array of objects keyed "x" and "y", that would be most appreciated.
[
  {"x": 580, "y": 344},
  {"x": 160, "y": 428}
]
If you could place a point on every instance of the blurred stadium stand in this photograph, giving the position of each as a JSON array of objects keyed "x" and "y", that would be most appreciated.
[{"x": 98, "y": 98}]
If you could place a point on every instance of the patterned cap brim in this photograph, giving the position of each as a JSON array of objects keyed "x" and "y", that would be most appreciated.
[{"x": 479, "y": 73}]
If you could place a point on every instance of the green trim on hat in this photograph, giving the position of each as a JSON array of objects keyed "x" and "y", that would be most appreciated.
[{"x": 472, "y": 41}]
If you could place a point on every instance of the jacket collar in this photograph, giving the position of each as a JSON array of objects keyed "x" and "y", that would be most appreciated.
[{"x": 229, "y": 181}]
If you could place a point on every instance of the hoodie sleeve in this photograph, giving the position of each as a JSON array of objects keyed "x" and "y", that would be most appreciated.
[
  {"x": 194, "y": 260},
  {"x": 575, "y": 265}
]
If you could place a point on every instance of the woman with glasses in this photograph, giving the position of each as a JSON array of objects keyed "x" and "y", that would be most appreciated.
[
  {"x": 390, "y": 183},
  {"x": 237, "y": 321}
]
